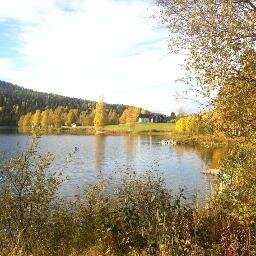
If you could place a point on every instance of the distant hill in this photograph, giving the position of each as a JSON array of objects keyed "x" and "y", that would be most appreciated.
[{"x": 16, "y": 101}]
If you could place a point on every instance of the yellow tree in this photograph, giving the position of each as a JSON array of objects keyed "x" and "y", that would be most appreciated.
[
  {"x": 235, "y": 105},
  {"x": 180, "y": 125},
  {"x": 100, "y": 114},
  {"x": 58, "y": 117},
  {"x": 131, "y": 117},
  {"x": 187, "y": 124},
  {"x": 20, "y": 122},
  {"x": 36, "y": 119},
  {"x": 219, "y": 39},
  {"x": 71, "y": 117},
  {"x": 214, "y": 34},
  {"x": 122, "y": 119},
  {"x": 27, "y": 120},
  {"x": 45, "y": 119},
  {"x": 51, "y": 118}
]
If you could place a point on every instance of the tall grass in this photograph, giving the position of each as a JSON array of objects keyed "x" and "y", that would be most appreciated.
[{"x": 130, "y": 215}]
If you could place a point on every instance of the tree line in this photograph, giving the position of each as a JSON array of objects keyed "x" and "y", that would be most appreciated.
[
  {"x": 60, "y": 116},
  {"x": 16, "y": 101}
]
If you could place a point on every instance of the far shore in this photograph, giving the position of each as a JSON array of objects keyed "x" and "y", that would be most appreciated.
[
  {"x": 7, "y": 127},
  {"x": 165, "y": 130},
  {"x": 121, "y": 129}
]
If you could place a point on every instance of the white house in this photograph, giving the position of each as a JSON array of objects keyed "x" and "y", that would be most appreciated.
[{"x": 151, "y": 118}]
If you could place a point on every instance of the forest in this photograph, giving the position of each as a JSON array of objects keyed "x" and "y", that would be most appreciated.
[{"x": 16, "y": 101}]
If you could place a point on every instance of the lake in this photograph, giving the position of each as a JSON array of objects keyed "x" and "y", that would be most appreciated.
[{"x": 180, "y": 166}]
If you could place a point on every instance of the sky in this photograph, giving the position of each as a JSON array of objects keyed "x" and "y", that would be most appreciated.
[{"x": 90, "y": 48}]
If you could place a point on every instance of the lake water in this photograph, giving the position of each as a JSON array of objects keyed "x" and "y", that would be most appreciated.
[{"x": 180, "y": 166}]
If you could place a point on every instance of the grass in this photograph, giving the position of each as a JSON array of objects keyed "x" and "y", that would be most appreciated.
[
  {"x": 120, "y": 129},
  {"x": 141, "y": 128},
  {"x": 79, "y": 130}
]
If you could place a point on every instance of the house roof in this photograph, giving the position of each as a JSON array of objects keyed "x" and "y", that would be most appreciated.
[
  {"x": 144, "y": 116},
  {"x": 150, "y": 115}
]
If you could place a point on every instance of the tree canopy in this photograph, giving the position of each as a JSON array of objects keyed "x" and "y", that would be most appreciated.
[
  {"x": 218, "y": 38},
  {"x": 235, "y": 106},
  {"x": 216, "y": 35}
]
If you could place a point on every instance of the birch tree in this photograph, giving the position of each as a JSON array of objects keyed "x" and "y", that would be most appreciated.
[
  {"x": 100, "y": 114},
  {"x": 218, "y": 38},
  {"x": 216, "y": 34}
]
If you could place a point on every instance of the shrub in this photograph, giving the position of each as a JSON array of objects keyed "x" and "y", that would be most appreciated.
[
  {"x": 27, "y": 200},
  {"x": 194, "y": 125},
  {"x": 130, "y": 214}
]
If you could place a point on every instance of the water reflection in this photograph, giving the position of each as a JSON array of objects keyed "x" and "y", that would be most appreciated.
[
  {"x": 8, "y": 130},
  {"x": 129, "y": 148},
  {"x": 216, "y": 158},
  {"x": 99, "y": 156},
  {"x": 99, "y": 151}
]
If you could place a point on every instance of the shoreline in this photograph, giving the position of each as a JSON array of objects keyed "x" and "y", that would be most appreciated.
[
  {"x": 7, "y": 127},
  {"x": 210, "y": 140}
]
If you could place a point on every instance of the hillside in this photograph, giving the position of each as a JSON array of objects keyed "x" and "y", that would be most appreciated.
[{"x": 16, "y": 101}]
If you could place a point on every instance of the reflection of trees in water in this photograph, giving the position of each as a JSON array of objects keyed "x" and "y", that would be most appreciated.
[
  {"x": 205, "y": 154},
  {"x": 183, "y": 150},
  {"x": 129, "y": 147},
  {"x": 149, "y": 140},
  {"x": 216, "y": 157},
  {"x": 25, "y": 130},
  {"x": 99, "y": 150},
  {"x": 210, "y": 157},
  {"x": 144, "y": 139}
]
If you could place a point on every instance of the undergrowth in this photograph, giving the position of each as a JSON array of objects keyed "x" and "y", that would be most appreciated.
[{"x": 129, "y": 215}]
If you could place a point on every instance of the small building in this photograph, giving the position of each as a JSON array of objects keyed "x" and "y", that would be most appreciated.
[
  {"x": 144, "y": 118},
  {"x": 152, "y": 118},
  {"x": 158, "y": 118}
]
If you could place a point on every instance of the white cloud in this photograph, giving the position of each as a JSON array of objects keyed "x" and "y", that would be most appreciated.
[
  {"x": 86, "y": 48},
  {"x": 5, "y": 64}
]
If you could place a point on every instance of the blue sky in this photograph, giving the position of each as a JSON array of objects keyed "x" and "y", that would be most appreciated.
[{"x": 89, "y": 48}]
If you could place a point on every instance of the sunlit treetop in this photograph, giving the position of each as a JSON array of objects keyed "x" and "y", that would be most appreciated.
[{"x": 216, "y": 34}]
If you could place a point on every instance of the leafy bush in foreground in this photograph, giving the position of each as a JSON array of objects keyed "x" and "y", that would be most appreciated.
[{"x": 130, "y": 215}]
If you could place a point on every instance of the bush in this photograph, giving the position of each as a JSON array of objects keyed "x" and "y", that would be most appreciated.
[
  {"x": 27, "y": 201},
  {"x": 194, "y": 125},
  {"x": 129, "y": 215}
]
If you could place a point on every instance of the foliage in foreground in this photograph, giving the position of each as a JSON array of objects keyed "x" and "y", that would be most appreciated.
[{"x": 128, "y": 215}]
